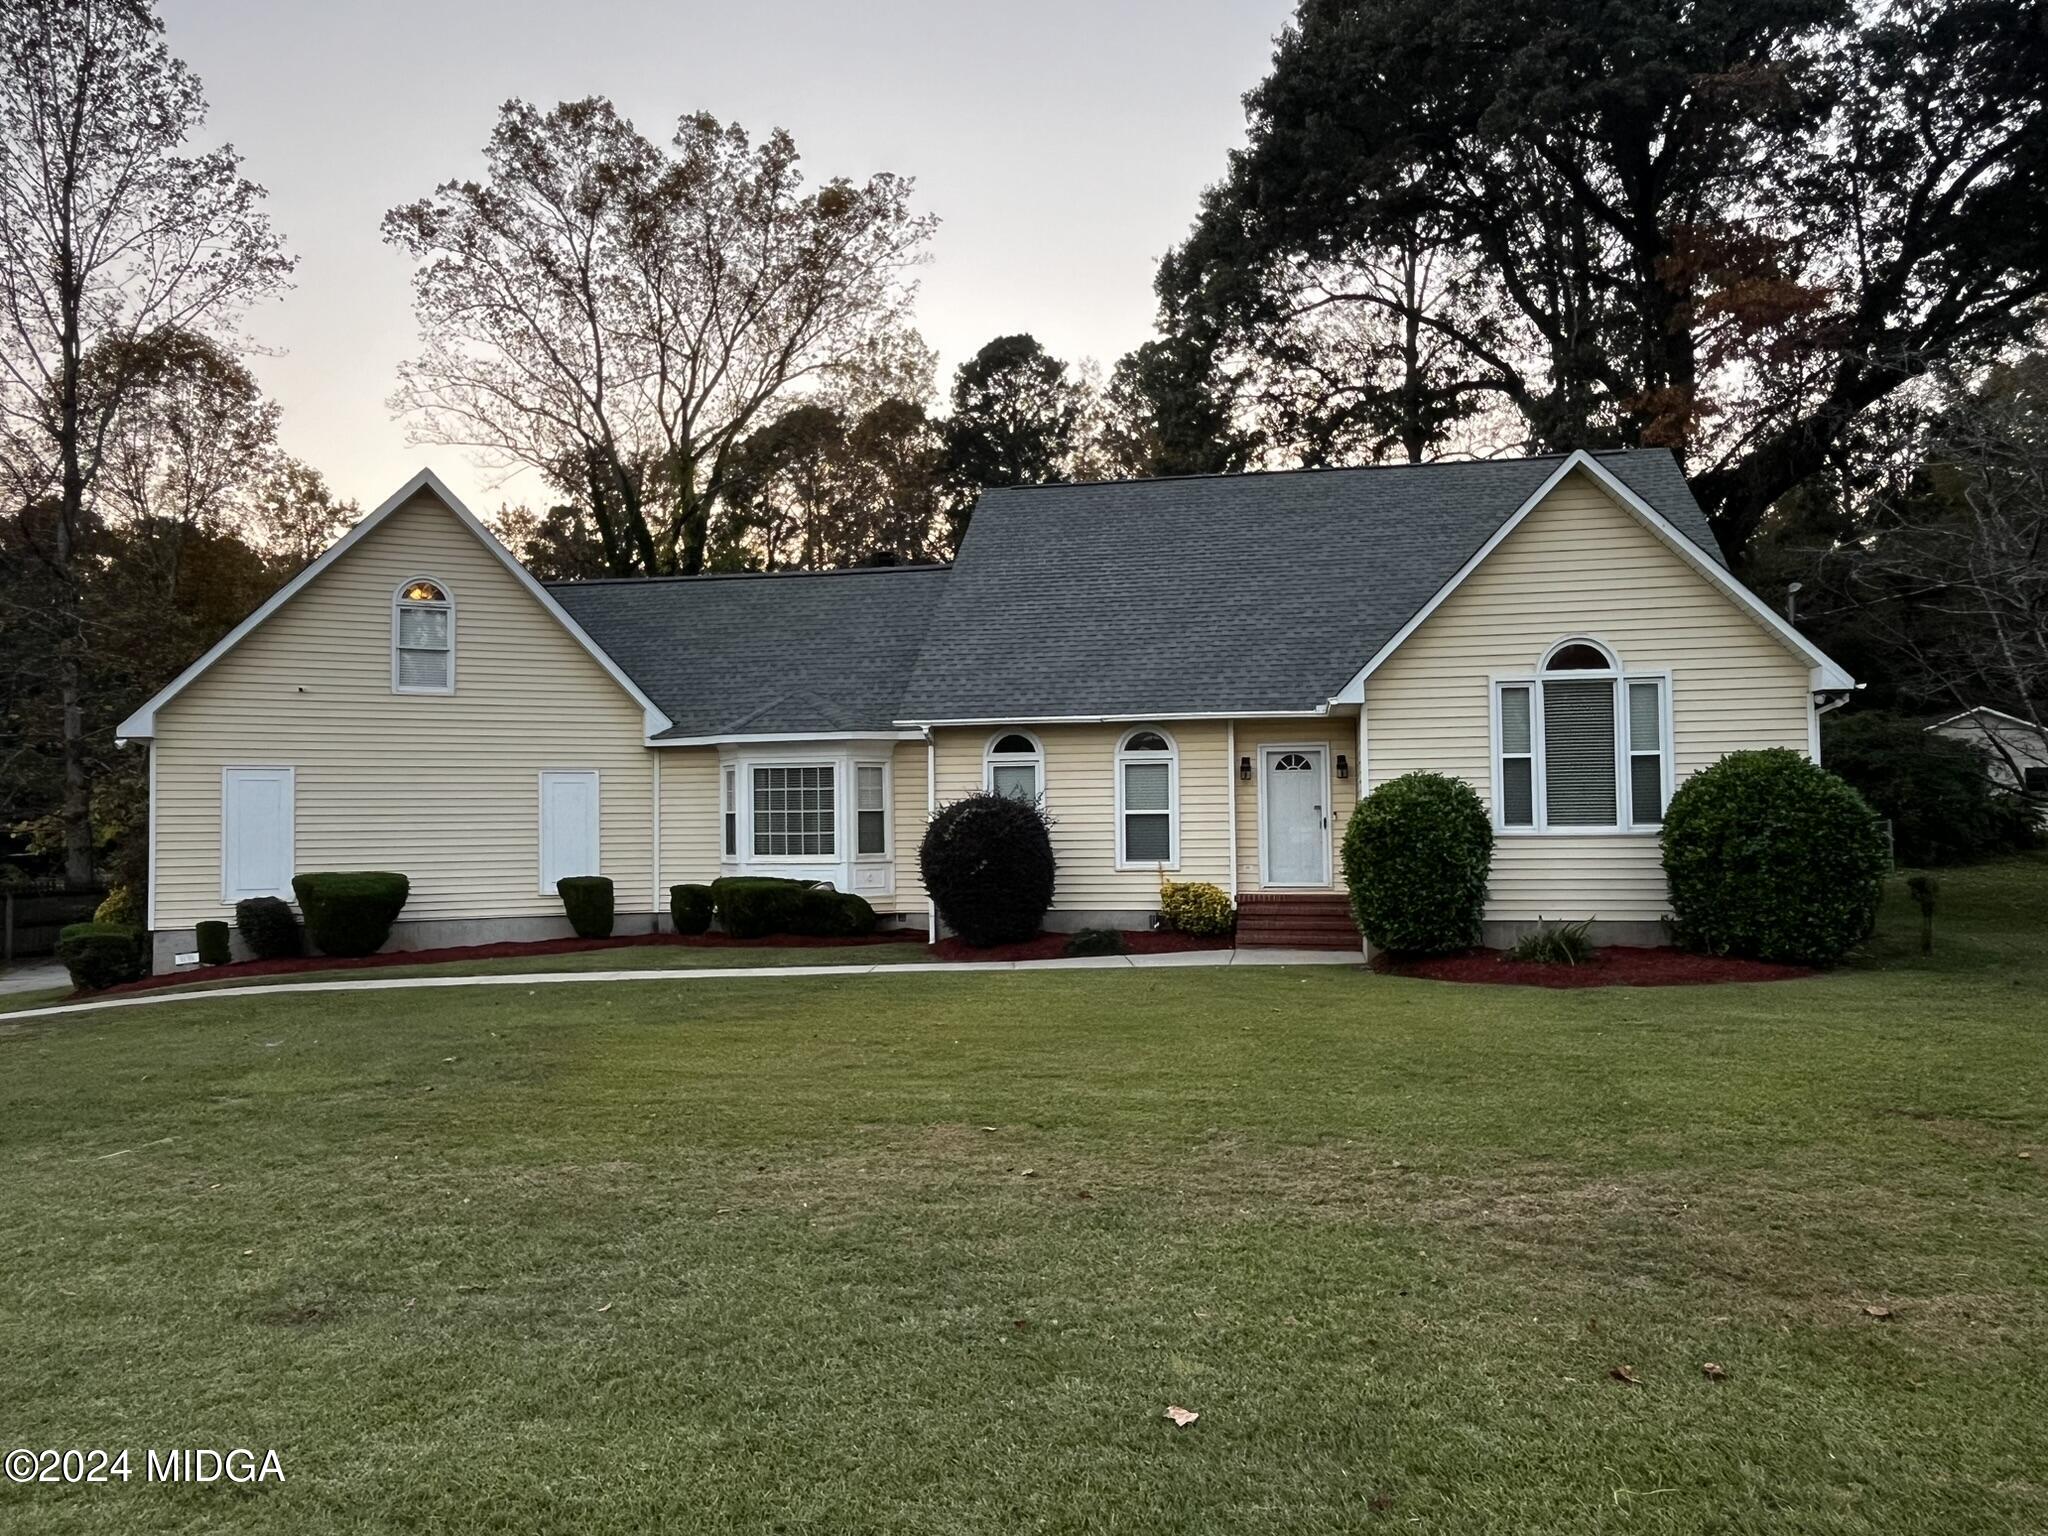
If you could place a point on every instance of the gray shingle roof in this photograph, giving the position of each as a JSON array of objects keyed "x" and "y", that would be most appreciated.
[
  {"x": 761, "y": 654},
  {"x": 1216, "y": 593},
  {"x": 1147, "y": 597}
]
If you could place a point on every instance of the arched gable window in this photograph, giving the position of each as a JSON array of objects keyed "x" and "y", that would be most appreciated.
[
  {"x": 1013, "y": 764},
  {"x": 1582, "y": 745},
  {"x": 422, "y": 638},
  {"x": 1147, "y": 800}
]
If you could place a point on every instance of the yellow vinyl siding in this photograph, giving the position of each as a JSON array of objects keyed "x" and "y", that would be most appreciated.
[
  {"x": 1582, "y": 565},
  {"x": 692, "y": 816},
  {"x": 444, "y": 788},
  {"x": 1080, "y": 796},
  {"x": 1338, "y": 734},
  {"x": 906, "y": 829}
]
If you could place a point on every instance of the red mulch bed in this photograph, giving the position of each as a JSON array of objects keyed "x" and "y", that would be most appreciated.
[
  {"x": 1052, "y": 946},
  {"x": 242, "y": 968},
  {"x": 1616, "y": 965}
]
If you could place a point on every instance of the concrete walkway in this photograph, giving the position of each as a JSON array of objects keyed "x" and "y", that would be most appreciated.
[
  {"x": 32, "y": 976},
  {"x": 1183, "y": 959}
]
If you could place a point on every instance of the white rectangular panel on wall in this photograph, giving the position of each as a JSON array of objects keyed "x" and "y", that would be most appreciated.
[
  {"x": 568, "y": 826},
  {"x": 256, "y": 838}
]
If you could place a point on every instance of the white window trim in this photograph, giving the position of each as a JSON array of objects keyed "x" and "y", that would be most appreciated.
[
  {"x": 540, "y": 818},
  {"x": 228, "y": 894},
  {"x": 990, "y": 758},
  {"x": 888, "y": 810},
  {"x": 1532, "y": 680},
  {"x": 841, "y": 792},
  {"x": 397, "y": 605},
  {"x": 1171, "y": 757},
  {"x": 1268, "y": 749}
]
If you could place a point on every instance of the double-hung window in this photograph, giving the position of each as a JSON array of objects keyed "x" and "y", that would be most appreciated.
[
  {"x": 422, "y": 638},
  {"x": 1014, "y": 765},
  {"x": 729, "y": 806},
  {"x": 1147, "y": 800},
  {"x": 1581, "y": 745},
  {"x": 794, "y": 816},
  {"x": 870, "y": 810}
]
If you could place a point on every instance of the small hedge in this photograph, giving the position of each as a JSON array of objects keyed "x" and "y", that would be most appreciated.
[
  {"x": 351, "y": 913},
  {"x": 1771, "y": 857},
  {"x": 590, "y": 904},
  {"x": 122, "y": 908},
  {"x": 1416, "y": 855},
  {"x": 102, "y": 955},
  {"x": 214, "y": 947},
  {"x": 690, "y": 908},
  {"x": 987, "y": 863},
  {"x": 758, "y": 906},
  {"x": 1196, "y": 907},
  {"x": 269, "y": 927}
]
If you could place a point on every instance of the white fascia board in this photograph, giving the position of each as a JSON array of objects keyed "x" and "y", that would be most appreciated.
[
  {"x": 1983, "y": 709},
  {"x": 1158, "y": 714},
  {"x": 1827, "y": 673},
  {"x": 142, "y": 724},
  {"x": 769, "y": 737}
]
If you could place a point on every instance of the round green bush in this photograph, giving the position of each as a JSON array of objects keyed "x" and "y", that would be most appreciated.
[
  {"x": 589, "y": 901},
  {"x": 1416, "y": 855},
  {"x": 351, "y": 912},
  {"x": 269, "y": 927},
  {"x": 1772, "y": 857},
  {"x": 102, "y": 955},
  {"x": 214, "y": 947},
  {"x": 689, "y": 907},
  {"x": 987, "y": 864}
]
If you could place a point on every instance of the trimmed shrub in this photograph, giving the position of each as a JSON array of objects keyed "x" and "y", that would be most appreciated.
[
  {"x": 214, "y": 948},
  {"x": 1095, "y": 941},
  {"x": 101, "y": 955},
  {"x": 1553, "y": 944},
  {"x": 122, "y": 908},
  {"x": 1772, "y": 857},
  {"x": 589, "y": 902},
  {"x": 351, "y": 912},
  {"x": 1935, "y": 790},
  {"x": 755, "y": 906},
  {"x": 268, "y": 926},
  {"x": 689, "y": 907},
  {"x": 833, "y": 914},
  {"x": 987, "y": 862},
  {"x": 1416, "y": 855},
  {"x": 1196, "y": 907}
]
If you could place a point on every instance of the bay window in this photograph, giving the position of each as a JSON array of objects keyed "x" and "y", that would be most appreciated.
[{"x": 794, "y": 816}]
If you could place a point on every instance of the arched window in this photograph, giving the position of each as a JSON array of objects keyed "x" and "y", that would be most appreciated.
[
  {"x": 1147, "y": 800},
  {"x": 1582, "y": 744},
  {"x": 422, "y": 638},
  {"x": 1013, "y": 764}
]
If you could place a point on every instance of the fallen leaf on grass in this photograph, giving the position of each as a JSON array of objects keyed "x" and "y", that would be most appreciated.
[
  {"x": 1182, "y": 1417},
  {"x": 1028, "y": 1173},
  {"x": 1714, "y": 1372},
  {"x": 1877, "y": 1312},
  {"x": 1626, "y": 1376},
  {"x": 606, "y": 1307}
]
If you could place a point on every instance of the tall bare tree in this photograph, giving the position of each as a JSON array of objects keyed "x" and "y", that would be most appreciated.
[
  {"x": 619, "y": 317},
  {"x": 112, "y": 238}
]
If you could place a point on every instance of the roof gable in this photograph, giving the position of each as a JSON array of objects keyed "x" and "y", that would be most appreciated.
[{"x": 141, "y": 725}]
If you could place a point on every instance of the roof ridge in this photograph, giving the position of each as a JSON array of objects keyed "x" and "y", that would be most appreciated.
[
  {"x": 1319, "y": 469},
  {"x": 839, "y": 570}
]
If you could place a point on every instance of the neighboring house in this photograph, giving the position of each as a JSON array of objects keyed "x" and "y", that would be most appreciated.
[
  {"x": 2014, "y": 756},
  {"x": 1195, "y": 676}
]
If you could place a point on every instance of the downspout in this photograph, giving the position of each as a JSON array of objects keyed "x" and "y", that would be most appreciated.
[
  {"x": 656, "y": 928},
  {"x": 931, "y": 809},
  {"x": 1230, "y": 800}
]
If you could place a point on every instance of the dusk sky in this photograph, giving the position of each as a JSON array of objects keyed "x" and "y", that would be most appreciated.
[{"x": 1062, "y": 144}]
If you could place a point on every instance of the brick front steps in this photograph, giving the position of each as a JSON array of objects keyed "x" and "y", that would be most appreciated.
[{"x": 1295, "y": 920}]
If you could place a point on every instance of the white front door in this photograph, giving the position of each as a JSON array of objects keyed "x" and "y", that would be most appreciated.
[{"x": 1297, "y": 830}]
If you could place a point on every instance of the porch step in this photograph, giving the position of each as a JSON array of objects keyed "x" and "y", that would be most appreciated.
[{"x": 1295, "y": 920}]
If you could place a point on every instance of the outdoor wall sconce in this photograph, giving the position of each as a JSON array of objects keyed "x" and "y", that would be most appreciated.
[
  {"x": 1244, "y": 769},
  {"x": 1343, "y": 766}
]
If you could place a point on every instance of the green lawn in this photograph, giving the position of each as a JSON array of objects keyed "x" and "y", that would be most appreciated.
[{"x": 933, "y": 1253}]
